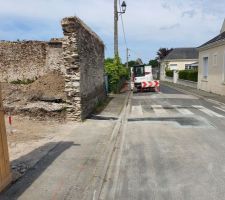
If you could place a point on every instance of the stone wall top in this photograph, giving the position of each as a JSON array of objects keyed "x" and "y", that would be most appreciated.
[
  {"x": 70, "y": 24},
  {"x": 22, "y": 42}
]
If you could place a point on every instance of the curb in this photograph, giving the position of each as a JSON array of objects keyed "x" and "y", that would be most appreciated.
[
  {"x": 199, "y": 96},
  {"x": 108, "y": 153}
]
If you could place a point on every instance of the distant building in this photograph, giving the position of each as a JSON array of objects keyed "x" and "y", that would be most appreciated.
[
  {"x": 211, "y": 76},
  {"x": 179, "y": 59},
  {"x": 193, "y": 66}
]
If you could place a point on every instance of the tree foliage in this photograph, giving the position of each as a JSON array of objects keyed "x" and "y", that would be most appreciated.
[
  {"x": 116, "y": 72},
  {"x": 154, "y": 63},
  {"x": 162, "y": 53}
]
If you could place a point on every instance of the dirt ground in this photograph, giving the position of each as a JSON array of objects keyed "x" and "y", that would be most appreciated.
[
  {"x": 43, "y": 98},
  {"x": 29, "y": 140}
]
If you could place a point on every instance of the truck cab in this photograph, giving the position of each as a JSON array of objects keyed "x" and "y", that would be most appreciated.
[{"x": 142, "y": 78}]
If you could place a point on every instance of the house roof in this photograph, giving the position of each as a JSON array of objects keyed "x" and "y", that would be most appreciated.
[
  {"x": 182, "y": 53},
  {"x": 219, "y": 37}
]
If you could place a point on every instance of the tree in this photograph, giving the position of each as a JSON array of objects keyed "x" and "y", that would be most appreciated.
[
  {"x": 131, "y": 63},
  {"x": 154, "y": 63},
  {"x": 108, "y": 61},
  {"x": 162, "y": 53}
]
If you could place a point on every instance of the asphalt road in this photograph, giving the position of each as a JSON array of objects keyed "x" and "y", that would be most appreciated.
[{"x": 172, "y": 146}]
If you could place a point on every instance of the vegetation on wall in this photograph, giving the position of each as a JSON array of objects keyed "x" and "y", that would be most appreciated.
[
  {"x": 23, "y": 82},
  {"x": 117, "y": 73},
  {"x": 191, "y": 75}
]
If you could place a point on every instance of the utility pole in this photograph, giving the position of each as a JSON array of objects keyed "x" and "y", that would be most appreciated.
[
  {"x": 127, "y": 56},
  {"x": 123, "y": 6},
  {"x": 116, "y": 50}
]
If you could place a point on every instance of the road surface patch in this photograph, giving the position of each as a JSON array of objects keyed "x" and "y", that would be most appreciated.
[
  {"x": 182, "y": 121},
  {"x": 182, "y": 110},
  {"x": 159, "y": 110},
  {"x": 166, "y": 96}
]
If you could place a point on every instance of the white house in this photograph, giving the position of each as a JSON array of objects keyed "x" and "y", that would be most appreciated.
[
  {"x": 211, "y": 76},
  {"x": 179, "y": 59}
]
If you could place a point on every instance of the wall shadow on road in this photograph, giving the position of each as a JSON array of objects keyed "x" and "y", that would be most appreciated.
[{"x": 19, "y": 187}]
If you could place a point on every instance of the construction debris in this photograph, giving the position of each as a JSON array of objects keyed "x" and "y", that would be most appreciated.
[{"x": 43, "y": 98}]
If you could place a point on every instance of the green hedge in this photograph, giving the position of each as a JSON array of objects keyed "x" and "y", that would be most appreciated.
[
  {"x": 169, "y": 73},
  {"x": 190, "y": 75},
  {"x": 117, "y": 74}
]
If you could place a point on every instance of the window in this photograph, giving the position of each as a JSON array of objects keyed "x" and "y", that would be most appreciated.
[
  {"x": 205, "y": 67},
  {"x": 139, "y": 71},
  {"x": 224, "y": 68},
  {"x": 215, "y": 59}
]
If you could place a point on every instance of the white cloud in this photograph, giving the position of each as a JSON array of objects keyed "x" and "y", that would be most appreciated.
[{"x": 149, "y": 24}]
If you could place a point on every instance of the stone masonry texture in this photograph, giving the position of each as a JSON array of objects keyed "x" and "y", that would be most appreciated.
[
  {"x": 22, "y": 60},
  {"x": 78, "y": 56},
  {"x": 83, "y": 53}
]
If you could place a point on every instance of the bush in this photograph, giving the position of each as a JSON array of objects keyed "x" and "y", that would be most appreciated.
[
  {"x": 191, "y": 75},
  {"x": 169, "y": 73},
  {"x": 117, "y": 73}
]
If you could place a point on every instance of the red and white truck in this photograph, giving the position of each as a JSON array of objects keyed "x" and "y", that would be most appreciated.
[{"x": 142, "y": 79}]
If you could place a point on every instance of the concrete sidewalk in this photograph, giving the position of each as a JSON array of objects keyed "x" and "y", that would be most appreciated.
[
  {"x": 196, "y": 92},
  {"x": 72, "y": 168}
]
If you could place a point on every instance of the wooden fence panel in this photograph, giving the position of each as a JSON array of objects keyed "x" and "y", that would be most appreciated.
[{"x": 5, "y": 175}]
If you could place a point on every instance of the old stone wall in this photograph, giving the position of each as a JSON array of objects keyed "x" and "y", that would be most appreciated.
[
  {"x": 24, "y": 60},
  {"x": 83, "y": 58},
  {"x": 54, "y": 56},
  {"x": 79, "y": 56}
]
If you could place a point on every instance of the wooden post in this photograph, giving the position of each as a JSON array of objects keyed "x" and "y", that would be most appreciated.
[{"x": 5, "y": 174}]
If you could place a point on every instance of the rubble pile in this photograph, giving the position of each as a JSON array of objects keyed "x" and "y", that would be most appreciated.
[{"x": 43, "y": 98}]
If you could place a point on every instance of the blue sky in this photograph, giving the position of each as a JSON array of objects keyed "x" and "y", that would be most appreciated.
[{"x": 149, "y": 24}]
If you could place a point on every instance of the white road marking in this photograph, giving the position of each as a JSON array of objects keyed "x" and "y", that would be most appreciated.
[
  {"x": 222, "y": 109},
  {"x": 215, "y": 102},
  {"x": 208, "y": 111},
  {"x": 183, "y": 111},
  {"x": 136, "y": 111},
  {"x": 158, "y": 109}
]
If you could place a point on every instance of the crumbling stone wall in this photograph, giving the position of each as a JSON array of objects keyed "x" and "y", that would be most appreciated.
[
  {"x": 79, "y": 56},
  {"x": 24, "y": 60},
  {"x": 54, "y": 56},
  {"x": 83, "y": 53}
]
